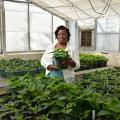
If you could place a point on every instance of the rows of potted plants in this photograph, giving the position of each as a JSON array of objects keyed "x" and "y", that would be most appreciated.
[
  {"x": 18, "y": 66},
  {"x": 89, "y": 61},
  {"x": 43, "y": 98}
]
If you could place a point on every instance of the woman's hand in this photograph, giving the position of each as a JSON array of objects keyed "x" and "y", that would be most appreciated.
[
  {"x": 52, "y": 67},
  {"x": 69, "y": 62}
]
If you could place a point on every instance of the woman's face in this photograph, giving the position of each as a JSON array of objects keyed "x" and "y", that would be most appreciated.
[{"x": 62, "y": 36}]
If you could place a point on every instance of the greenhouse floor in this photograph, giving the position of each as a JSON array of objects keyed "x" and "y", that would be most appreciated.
[{"x": 78, "y": 75}]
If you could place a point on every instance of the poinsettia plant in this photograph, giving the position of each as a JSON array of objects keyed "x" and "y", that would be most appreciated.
[{"x": 60, "y": 54}]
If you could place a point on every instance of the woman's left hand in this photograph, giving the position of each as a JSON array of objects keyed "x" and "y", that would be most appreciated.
[{"x": 69, "y": 62}]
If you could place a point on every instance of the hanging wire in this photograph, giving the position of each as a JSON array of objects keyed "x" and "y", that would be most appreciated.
[
  {"x": 102, "y": 13},
  {"x": 104, "y": 9}
]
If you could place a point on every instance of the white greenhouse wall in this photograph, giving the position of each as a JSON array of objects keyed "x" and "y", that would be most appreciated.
[
  {"x": 107, "y": 42},
  {"x": 24, "y": 56}
]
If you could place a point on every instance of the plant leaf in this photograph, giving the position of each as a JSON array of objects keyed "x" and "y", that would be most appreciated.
[{"x": 104, "y": 112}]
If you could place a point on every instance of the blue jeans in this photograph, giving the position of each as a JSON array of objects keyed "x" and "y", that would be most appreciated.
[{"x": 56, "y": 73}]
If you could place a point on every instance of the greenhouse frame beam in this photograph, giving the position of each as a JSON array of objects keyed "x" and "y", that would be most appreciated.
[
  {"x": 28, "y": 16},
  {"x": 2, "y": 28},
  {"x": 16, "y": 1},
  {"x": 119, "y": 35}
]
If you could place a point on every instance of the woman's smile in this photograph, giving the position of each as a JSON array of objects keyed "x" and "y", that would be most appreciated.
[{"x": 62, "y": 36}]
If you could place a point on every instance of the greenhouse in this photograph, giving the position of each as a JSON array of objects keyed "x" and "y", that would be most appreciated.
[{"x": 59, "y": 60}]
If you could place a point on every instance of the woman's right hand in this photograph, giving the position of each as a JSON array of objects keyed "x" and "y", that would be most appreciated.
[{"x": 52, "y": 67}]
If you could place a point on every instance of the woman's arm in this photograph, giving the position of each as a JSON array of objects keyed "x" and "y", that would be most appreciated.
[{"x": 47, "y": 59}]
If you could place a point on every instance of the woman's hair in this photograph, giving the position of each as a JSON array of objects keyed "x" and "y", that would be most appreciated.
[{"x": 61, "y": 27}]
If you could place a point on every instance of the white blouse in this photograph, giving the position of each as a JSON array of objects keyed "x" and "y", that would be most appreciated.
[{"x": 47, "y": 58}]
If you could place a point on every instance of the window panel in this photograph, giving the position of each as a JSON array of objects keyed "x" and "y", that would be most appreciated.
[
  {"x": 39, "y": 41},
  {"x": 86, "y": 38},
  {"x": 108, "y": 33},
  {"x": 16, "y": 26},
  {"x": 107, "y": 42},
  {"x": 16, "y": 41},
  {"x": 40, "y": 28},
  {"x": 108, "y": 24},
  {"x": 12, "y": 6}
]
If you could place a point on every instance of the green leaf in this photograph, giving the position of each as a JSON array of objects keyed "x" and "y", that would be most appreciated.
[
  {"x": 60, "y": 103},
  {"x": 54, "y": 110},
  {"x": 104, "y": 112},
  {"x": 67, "y": 111}
]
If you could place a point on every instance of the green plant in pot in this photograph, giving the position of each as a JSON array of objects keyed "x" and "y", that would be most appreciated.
[{"x": 59, "y": 57}]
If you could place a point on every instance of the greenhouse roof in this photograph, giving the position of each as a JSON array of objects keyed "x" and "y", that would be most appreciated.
[{"x": 80, "y": 9}]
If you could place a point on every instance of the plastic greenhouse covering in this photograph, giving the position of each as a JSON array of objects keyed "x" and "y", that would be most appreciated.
[{"x": 80, "y": 9}]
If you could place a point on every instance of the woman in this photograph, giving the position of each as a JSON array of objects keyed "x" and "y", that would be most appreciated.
[{"x": 62, "y": 36}]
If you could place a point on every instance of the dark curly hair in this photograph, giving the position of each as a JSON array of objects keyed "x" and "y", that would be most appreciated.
[{"x": 61, "y": 27}]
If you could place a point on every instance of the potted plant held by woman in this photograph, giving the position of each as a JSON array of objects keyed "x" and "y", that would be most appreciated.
[{"x": 60, "y": 58}]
